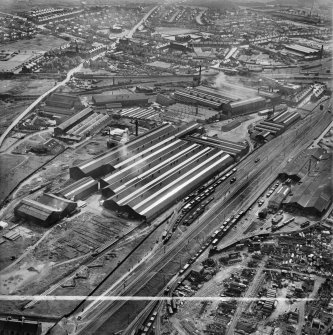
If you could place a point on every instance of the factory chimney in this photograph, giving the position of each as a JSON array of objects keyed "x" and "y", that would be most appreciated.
[
  {"x": 321, "y": 52},
  {"x": 136, "y": 127},
  {"x": 199, "y": 81}
]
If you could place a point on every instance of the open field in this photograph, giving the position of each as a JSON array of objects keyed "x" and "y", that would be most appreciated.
[
  {"x": 15, "y": 168},
  {"x": 26, "y": 86},
  {"x": 9, "y": 111},
  {"x": 38, "y": 43}
]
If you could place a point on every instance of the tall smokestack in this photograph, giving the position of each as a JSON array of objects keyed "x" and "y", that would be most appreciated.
[
  {"x": 136, "y": 127},
  {"x": 321, "y": 52},
  {"x": 199, "y": 82}
]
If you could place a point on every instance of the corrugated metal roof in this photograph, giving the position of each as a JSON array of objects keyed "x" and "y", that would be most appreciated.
[
  {"x": 63, "y": 126},
  {"x": 247, "y": 102},
  {"x": 102, "y": 99},
  {"x": 78, "y": 186}
]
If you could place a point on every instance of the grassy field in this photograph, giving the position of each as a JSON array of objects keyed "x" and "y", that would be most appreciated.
[
  {"x": 14, "y": 168},
  {"x": 26, "y": 86},
  {"x": 9, "y": 111},
  {"x": 39, "y": 43}
]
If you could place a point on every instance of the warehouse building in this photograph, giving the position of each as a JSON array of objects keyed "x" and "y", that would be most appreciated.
[
  {"x": 125, "y": 99},
  {"x": 60, "y": 106},
  {"x": 62, "y": 100},
  {"x": 154, "y": 191},
  {"x": 46, "y": 210},
  {"x": 105, "y": 163},
  {"x": 305, "y": 162},
  {"x": 231, "y": 148},
  {"x": 139, "y": 113},
  {"x": 203, "y": 96},
  {"x": 276, "y": 201},
  {"x": 301, "y": 50},
  {"x": 267, "y": 129},
  {"x": 72, "y": 121},
  {"x": 81, "y": 125},
  {"x": 147, "y": 175},
  {"x": 230, "y": 126},
  {"x": 247, "y": 106},
  {"x": 20, "y": 326},
  {"x": 314, "y": 196},
  {"x": 80, "y": 189}
]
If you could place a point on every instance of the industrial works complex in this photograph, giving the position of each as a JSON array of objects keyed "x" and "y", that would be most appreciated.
[
  {"x": 147, "y": 175},
  {"x": 143, "y": 177}
]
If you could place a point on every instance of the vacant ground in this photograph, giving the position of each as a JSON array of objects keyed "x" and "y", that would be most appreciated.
[
  {"x": 26, "y": 86},
  {"x": 237, "y": 134},
  {"x": 8, "y": 112},
  {"x": 39, "y": 43}
]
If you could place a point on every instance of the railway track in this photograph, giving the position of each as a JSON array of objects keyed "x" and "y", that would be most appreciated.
[
  {"x": 300, "y": 141},
  {"x": 96, "y": 317}
]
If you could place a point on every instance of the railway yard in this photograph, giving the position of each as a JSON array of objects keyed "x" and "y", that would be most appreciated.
[{"x": 166, "y": 170}]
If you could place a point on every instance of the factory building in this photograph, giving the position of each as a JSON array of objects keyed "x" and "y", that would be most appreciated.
[
  {"x": 247, "y": 106},
  {"x": 81, "y": 125},
  {"x": 275, "y": 126},
  {"x": 231, "y": 148},
  {"x": 72, "y": 121},
  {"x": 125, "y": 99},
  {"x": 313, "y": 197},
  {"x": 301, "y": 50},
  {"x": 147, "y": 175},
  {"x": 312, "y": 168},
  {"x": 46, "y": 210},
  {"x": 104, "y": 164},
  {"x": 60, "y": 106},
  {"x": 202, "y": 96},
  {"x": 139, "y": 113},
  {"x": 20, "y": 326},
  {"x": 274, "y": 98},
  {"x": 80, "y": 189},
  {"x": 63, "y": 100},
  {"x": 276, "y": 201},
  {"x": 161, "y": 185}
]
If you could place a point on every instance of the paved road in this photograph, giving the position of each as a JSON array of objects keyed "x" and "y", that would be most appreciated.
[
  {"x": 36, "y": 102},
  {"x": 133, "y": 30}
]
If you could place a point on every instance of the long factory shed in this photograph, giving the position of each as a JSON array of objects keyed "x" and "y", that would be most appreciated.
[
  {"x": 231, "y": 148},
  {"x": 145, "y": 182},
  {"x": 154, "y": 190},
  {"x": 104, "y": 163}
]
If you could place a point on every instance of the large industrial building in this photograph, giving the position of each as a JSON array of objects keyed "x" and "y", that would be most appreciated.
[
  {"x": 125, "y": 100},
  {"x": 247, "y": 106},
  {"x": 233, "y": 149},
  {"x": 81, "y": 125},
  {"x": 80, "y": 189},
  {"x": 45, "y": 210},
  {"x": 147, "y": 175},
  {"x": 139, "y": 113},
  {"x": 203, "y": 96},
  {"x": 267, "y": 129},
  {"x": 312, "y": 195},
  {"x": 61, "y": 105}
]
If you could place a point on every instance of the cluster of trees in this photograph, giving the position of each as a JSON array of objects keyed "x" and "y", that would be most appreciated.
[
  {"x": 59, "y": 63},
  {"x": 96, "y": 64}
]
